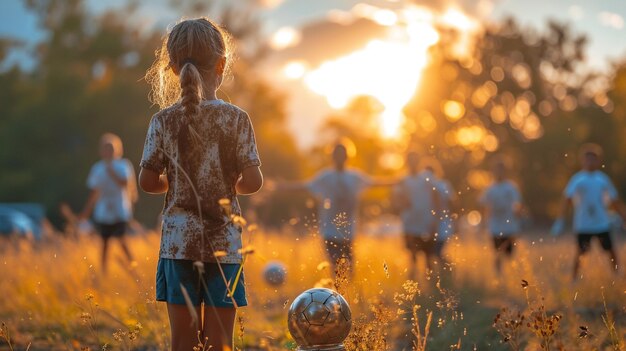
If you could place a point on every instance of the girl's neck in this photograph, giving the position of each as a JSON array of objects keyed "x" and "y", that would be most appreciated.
[
  {"x": 209, "y": 94},
  {"x": 210, "y": 85}
]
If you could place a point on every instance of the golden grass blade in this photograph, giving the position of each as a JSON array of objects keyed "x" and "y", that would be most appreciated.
[
  {"x": 232, "y": 292},
  {"x": 191, "y": 307}
]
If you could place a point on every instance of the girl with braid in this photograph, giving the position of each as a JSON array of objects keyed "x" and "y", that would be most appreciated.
[{"x": 201, "y": 152}]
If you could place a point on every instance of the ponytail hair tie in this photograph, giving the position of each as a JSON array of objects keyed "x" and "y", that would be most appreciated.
[{"x": 186, "y": 61}]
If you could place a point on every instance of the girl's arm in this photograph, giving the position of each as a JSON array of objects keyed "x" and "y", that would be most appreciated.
[
  {"x": 153, "y": 182},
  {"x": 250, "y": 182},
  {"x": 91, "y": 201}
]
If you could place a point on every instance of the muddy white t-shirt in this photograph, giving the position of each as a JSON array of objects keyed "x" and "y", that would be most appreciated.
[
  {"x": 206, "y": 153},
  {"x": 590, "y": 193}
]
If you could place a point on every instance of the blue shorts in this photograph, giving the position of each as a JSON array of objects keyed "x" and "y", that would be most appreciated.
[{"x": 172, "y": 273}]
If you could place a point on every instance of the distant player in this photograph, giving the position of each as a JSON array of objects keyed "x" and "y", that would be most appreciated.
[
  {"x": 113, "y": 191},
  {"x": 418, "y": 200},
  {"x": 502, "y": 204},
  {"x": 591, "y": 193},
  {"x": 337, "y": 190}
]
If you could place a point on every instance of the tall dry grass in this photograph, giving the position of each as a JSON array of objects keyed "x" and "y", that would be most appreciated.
[{"x": 54, "y": 296}]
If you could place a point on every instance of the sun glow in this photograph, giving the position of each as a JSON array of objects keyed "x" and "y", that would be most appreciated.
[
  {"x": 295, "y": 69},
  {"x": 284, "y": 38},
  {"x": 388, "y": 69}
]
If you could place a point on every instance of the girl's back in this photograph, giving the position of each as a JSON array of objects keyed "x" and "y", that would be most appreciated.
[
  {"x": 202, "y": 157},
  {"x": 201, "y": 152}
]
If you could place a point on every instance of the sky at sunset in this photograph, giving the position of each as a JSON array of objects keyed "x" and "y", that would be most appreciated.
[{"x": 323, "y": 47}]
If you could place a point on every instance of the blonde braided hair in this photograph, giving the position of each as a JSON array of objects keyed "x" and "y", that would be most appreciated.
[{"x": 193, "y": 49}]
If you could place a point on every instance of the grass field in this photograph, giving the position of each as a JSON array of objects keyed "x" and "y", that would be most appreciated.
[{"x": 54, "y": 297}]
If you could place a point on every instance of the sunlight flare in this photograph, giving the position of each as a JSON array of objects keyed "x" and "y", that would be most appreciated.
[
  {"x": 285, "y": 37},
  {"x": 388, "y": 70}
]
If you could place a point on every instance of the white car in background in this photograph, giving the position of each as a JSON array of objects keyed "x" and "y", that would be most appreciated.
[{"x": 21, "y": 220}]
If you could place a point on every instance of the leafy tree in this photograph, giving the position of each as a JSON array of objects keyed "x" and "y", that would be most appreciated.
[{"x": 519, "y": 93}]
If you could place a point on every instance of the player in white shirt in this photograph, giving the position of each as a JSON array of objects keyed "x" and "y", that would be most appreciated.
[
  {"x": 502, "y": 204},
  {"x": 113, "y": 191},
  {"x": 417, "y": 198},
  {"x": 591, "y": 193},
  {"x": 337, "y": 190}
]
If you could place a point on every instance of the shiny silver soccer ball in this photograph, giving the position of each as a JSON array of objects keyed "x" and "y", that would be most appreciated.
[
  {"x": 275, "y": 273},
  {"x": 320, "y": 319}
]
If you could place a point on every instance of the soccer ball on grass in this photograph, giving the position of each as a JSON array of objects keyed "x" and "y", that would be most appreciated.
[{"x": 320, "y": 319}]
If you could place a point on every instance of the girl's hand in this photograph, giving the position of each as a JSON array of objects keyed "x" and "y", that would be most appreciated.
[
  {"x": 153, "y": 182},
  {"x": 250, "y": 182}
]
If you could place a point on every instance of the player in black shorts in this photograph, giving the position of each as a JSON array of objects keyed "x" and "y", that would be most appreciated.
[
  {"x": 587, "y": 192},
  {"x": 502, "y": 204}
]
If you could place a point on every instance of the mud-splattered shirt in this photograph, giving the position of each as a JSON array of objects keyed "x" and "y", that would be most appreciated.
[{"x": 204, "y": 155}]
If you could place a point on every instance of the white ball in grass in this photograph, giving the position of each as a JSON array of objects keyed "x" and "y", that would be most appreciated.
[{"x": 275, "y": 273}]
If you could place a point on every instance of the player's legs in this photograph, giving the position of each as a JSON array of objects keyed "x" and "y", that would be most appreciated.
[
  {"x": 215, "y": 326},
  {"x": 184, "y": 332},
  {"x": 410, "y": 242},
  {"x": 176, "y": 284},
  {"x": 497, "y": 244},
  {"x": 509, "y": 246},
  {"x": 347, "y": 254},
  {"x": 120, "y": 233},
  {"x": 338, "y": 251},
  {"x": 429, "y": 248},
  {"x": 124, "y": 245},
  {"x": 332, "y": 251},
  {"x": 584, "y": 244},
  {"x": 220, "y": 307},
  {"x": 218, "y": 326},
  {"x": 105, "y": 253},
  {"x": 607, "y": 246},
  {"x": 106, "y": 231},
  {"x": 614, "y": 260},
  {"x": 504, "y": 246},
  {"x": 444, "y": 270},
  {"x": 438, "y": 248}
]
